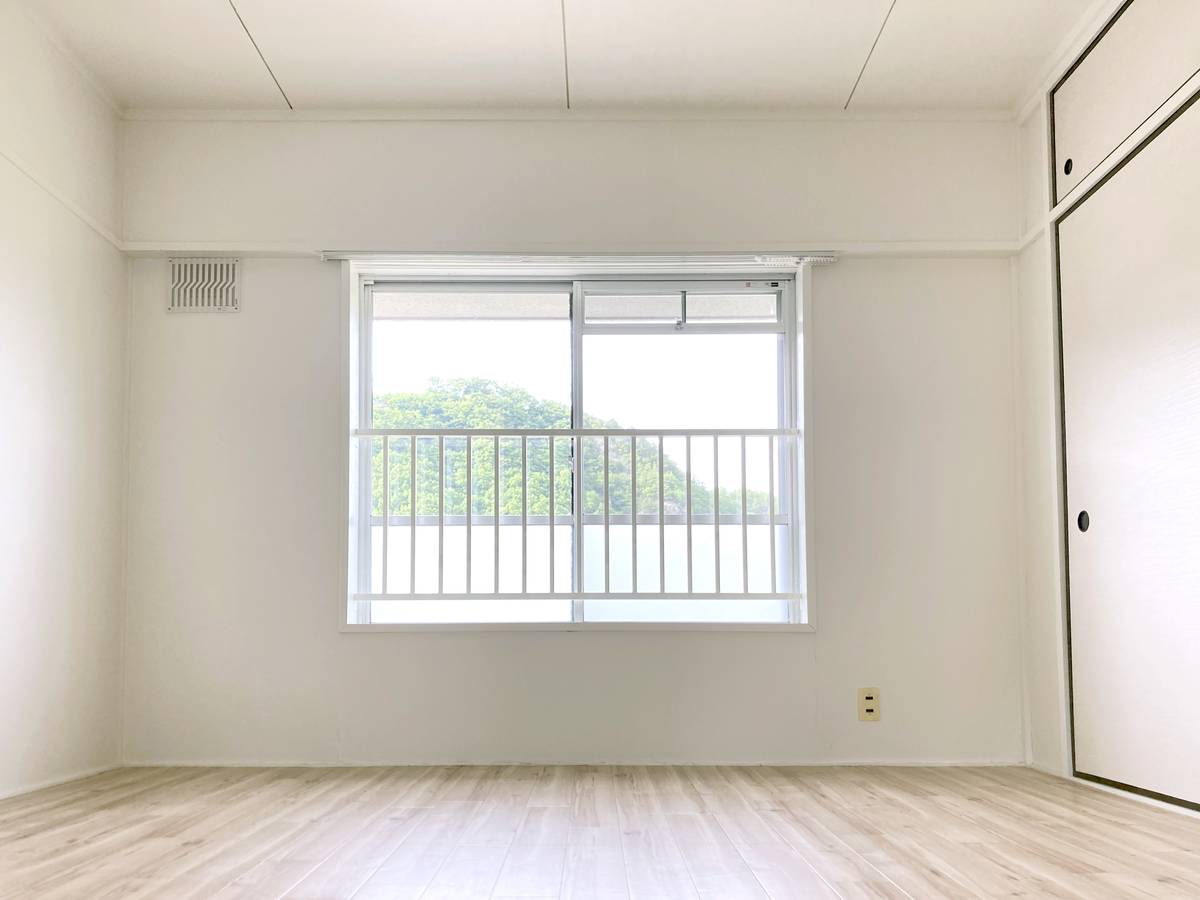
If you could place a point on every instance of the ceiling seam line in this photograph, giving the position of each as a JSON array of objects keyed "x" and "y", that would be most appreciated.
[
  {"x": 562, "y": 6},
  {"x": 258, "y": 50},
  {"x": 870, "y": 53}
]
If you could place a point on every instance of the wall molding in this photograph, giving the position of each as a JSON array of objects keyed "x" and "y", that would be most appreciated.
[
  {"x": 1118, "y": 792},
  {"x": 559, "y": 115},
  {"x": 1031, "y": 235},
  {"x": 341, "y": 763},
  {"x": 63, "y": 200},
  {"x": 842, "y": 249},
  {"x": 262, "y": 249}
]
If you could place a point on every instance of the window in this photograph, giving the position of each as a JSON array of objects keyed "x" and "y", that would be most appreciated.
[{"x": 577, "y": 453}]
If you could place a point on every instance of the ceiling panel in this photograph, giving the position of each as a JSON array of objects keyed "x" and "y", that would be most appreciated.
[
  {"x": 508, "y": 54},
  {"x": 703, "y": 54},
  {"x": 977, "y": 54},
  {"x": 436, "y": 53},
  {"x": 181, "y": 53}
]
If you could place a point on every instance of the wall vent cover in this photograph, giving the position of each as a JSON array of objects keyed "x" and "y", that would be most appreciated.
[{"x": 205, "y": 285}]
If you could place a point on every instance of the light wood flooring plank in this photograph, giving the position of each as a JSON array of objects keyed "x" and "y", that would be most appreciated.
[{"x": 601, "y": 832}]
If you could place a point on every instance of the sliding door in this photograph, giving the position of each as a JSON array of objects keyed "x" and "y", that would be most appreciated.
[{"x": 1129, "y": 269}]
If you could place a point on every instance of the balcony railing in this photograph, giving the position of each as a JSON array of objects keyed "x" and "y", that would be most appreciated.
[{"x": 574, "y": 513}]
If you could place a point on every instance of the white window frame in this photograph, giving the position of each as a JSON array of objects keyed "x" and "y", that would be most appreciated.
[{"x": 631, "y": 275}]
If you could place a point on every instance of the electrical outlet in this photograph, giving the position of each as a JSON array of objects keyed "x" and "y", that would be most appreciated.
[{"x": 868, "y": 704}]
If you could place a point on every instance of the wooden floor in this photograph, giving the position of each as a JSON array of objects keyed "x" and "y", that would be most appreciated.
[{"x": 590, "y": 831}]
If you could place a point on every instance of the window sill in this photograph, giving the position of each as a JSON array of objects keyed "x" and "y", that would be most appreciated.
[{"x": 584, "y": 626}]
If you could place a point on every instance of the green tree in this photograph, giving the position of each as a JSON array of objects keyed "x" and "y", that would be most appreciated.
[{"x": 480, "y": 403}]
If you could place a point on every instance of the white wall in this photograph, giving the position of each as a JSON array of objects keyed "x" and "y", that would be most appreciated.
[
  {"x": 568, "y": 185},
  {"x": 63, "y": 297},
  {"x": 235, "y": 526},
  {"x": 1044, "y": 635},
  {"x": 54, "y": 124},
  {"x": 934, "y": 505},
  {"x": 1044, "y": 639}
]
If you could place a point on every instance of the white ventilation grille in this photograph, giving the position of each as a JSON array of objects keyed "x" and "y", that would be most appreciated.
[{"x": 205, "y": 285}]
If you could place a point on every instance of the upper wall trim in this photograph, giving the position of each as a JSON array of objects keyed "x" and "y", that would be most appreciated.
[
  {"x": 553, "y": 115},
  {"x": 840, "y": 249},
  {"x": 29, "y": 172}
]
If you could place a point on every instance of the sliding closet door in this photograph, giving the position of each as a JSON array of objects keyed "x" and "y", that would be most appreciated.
[{"x": 1129, "y": 264}]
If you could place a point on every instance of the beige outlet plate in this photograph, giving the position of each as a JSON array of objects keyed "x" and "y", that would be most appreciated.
[{"x": 868, "y": 704}]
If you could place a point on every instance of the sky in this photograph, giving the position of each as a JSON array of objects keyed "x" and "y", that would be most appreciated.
[{"x": 641, "y": 381}]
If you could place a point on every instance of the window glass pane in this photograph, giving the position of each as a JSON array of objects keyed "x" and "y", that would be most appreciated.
[
  {"x": 676, "y": 380},
  {"x": 732, "y": 308},
  {"x": 471, "y": 359},
  {"x": 614, "y": 309}
]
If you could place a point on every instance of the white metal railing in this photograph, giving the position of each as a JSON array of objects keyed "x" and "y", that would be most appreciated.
[{"x": 442, "y": 504}]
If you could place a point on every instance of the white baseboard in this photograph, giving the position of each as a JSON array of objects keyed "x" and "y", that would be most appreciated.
[
  {"x": 1050, "y": 770},
  {"x": 1128, "y": 795},
  {"x": 349, "y": 764},
  {"x": 343, "y": 764},
  {"x": 6, "y": 793}
]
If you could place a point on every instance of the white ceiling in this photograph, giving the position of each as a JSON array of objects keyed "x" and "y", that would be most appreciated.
[
  {"x": 179, "y": 53},
  {"x": 964, "y": 53},
  {"x": 403, "y": 53},
  {"x": 509, "y": 54},
  {"x": 718, "y": 53}
]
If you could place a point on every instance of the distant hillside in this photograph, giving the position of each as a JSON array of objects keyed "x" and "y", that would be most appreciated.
[{"x": 480, "y": 403}]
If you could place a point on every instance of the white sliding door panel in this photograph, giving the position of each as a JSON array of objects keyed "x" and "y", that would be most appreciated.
[
  {"x": 1129, "y": 260},
  {"x": 1146, "y": 55}
]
